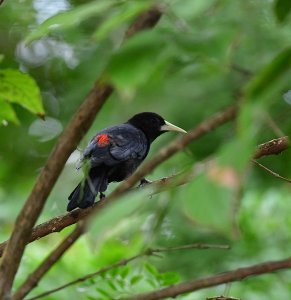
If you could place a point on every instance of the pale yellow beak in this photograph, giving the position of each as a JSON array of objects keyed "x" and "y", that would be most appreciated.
[{"x": 171, "y": 127}]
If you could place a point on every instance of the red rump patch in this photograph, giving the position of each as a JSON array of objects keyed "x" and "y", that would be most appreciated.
[{"x": 102, "y": 140}]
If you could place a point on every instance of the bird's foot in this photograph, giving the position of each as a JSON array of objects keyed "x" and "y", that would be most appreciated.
[
  {"x": 102, "y": 196},
  {"x": 144, "y": 182}
]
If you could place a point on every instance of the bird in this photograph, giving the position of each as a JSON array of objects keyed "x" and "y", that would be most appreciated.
[{"x": 114, "y": 153}]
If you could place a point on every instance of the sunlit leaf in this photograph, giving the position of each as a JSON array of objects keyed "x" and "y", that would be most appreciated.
[
  {"x": 70, "y": 18},
  {"x": 20, "y": 88},
  {"x": 282, "y": 9}
]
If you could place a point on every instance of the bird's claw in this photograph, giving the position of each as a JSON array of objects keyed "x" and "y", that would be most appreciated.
[
  {"x": 102, "y": 196},
  {"x": 144, "y": 182}
]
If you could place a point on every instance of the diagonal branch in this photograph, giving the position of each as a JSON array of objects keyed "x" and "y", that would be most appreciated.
[
  {"x": 70, "y": 138},
  {"x": 123, "y": 262},
  {"x": 226, "y": 277}
]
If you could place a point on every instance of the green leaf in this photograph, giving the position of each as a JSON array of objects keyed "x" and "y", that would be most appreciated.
[
  {"x": 213, "y": 45},
  {"x": 125, "y": 271},
  {"x": 151, "y": 269},
  {"x": 70, "y": 18},
  {"x": 129, "y": 11},
  {"x": 208, "y": 203},
  {"x": 7, "y": 113},
  {"x": 169, "y": 278},
  {"x": 20, "y": 88},
  {"x": 188, "y": 9},
  {"x": 112, "y": 285},
  {"x": 282, "y": 8},
  {"x": 269, "y": 75},
  {"x": 135, "y": 279},
  {"x": 103, "y": 292},
  {"x": 137, "y": 59}
]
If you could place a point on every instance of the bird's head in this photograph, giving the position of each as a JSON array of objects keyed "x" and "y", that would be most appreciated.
[{"x": 153, "y": 124}]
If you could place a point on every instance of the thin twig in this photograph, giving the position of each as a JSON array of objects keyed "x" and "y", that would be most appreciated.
[
  {"x": 123, "y": 262},
  {"x": 222, "y": 278},
  {"x": 270, "y": 171},
  {"x": 191, "y": 246},
  {"x": 222, "y": 298}
]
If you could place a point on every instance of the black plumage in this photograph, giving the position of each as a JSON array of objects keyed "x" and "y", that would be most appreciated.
[{"x": 114, "y": 154}]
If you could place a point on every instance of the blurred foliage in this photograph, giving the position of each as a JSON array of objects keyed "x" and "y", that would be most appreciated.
[{"x": 203, "y": 56}]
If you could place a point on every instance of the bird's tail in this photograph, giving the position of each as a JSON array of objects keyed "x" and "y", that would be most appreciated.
[{"x": 85, "y": 192}]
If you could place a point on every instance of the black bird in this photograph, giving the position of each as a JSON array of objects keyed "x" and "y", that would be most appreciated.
[{"x": 115, "y": 153}]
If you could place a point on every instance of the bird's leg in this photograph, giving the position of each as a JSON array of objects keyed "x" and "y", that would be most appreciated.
[
  {"x": 144, "y": 182},
  {"x": 102, "y": 196}
]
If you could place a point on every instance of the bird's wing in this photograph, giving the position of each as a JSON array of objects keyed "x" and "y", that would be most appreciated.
[
  {"x": 116, "y": 144},
  {"x": 127, "y": 143}
]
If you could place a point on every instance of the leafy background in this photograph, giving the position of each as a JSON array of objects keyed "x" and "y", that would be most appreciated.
[{"x": 201, "y": 58}]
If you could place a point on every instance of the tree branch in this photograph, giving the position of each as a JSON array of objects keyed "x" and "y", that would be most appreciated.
[
  {"x": 272, "y": 147},
  {"x": 78, "y": 126},
  {"x": 123, "y": 262},
  {"x": 230, "y": 276}
]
